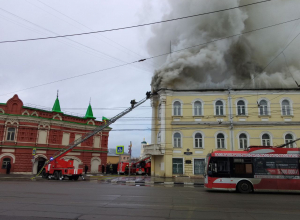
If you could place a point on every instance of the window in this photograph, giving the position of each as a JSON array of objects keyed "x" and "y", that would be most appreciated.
[
  {"x": 197, "y": 108},
  {"x": 286, "y": 108},
  {"x": 198, "y": 140},
  {"x": 177, "y": 166},
  {"x": 177, "y": 108},
  {"x": 159, "y": 112},
  {"x": 263, "y": 107},
  {"x": 177, "y": 140},
  {"x": 266, "y": 141},
  {"x": 243, "y": 141},
  {"x": 241, "y": 108},
  {"x": 219, "y": 108},
  {"x": 11, "y": 134},
  {"x": 220, "y": 141},
  {"x": 158, "y": 137},
  {"x": 5, "y": 162},
  {"x": 288, "y": 138}
]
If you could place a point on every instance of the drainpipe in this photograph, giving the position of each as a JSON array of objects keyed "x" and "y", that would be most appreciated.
[{"x": 231, "y": 121}]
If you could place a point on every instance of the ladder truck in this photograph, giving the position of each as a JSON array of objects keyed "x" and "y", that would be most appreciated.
[{"x": 57, "y": 168}]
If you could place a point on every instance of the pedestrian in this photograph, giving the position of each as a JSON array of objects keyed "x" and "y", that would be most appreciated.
[
  {"x": 103, "y": 168},
  {"x": 111, "y": 168},
  {"x": 8, "y": 166},
  {"x": 86, "y": 169}
]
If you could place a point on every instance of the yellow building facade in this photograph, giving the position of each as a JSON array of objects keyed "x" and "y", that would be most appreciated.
[{"x": 187, "y": 125}]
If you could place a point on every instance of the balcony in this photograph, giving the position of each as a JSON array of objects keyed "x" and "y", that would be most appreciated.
[{"x": 153, "y": 149}]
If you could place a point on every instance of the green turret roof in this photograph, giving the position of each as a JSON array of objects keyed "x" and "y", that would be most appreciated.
[
  {"x": 89, "y": 112},
  {"x": 56, "y": 106}
]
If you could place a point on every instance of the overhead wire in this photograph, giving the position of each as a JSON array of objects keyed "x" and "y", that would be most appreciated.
[
  {"x": 129, "y": 63},
  {"x": 113, "y": 59},
  {"x": 135, "y": 26}
]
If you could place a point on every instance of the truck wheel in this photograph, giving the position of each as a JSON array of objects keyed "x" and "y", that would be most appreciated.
[
  {"x": 75, "y": 177},
  {"x": 60, "y": 176},
  {"x": 244, "y": 187},
  {"x": 44, "y": 174},
  {"x": 56, "y": 175}
]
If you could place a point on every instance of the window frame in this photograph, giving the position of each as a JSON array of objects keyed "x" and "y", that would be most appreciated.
[
  {"x": 216, "y": 140},
  {"x": 201, "y": 109},
  {"x": 181, "y": 104},
  {"x": 271, "y": 138},
  {"x": 215, "y": 107},
  {"x": 246, "y": 106},
  {"x": 194, "y": 140},
  {"x": 293, "y": 138},
  {"x": 268, "y": 107},
  {"x": 158, "y": 137},
  {"x": 290, "y": 105},
  {"x": 247, "y": 140},
  {"x": 8, "y": 132},
  {"x": 173, "y": 139}
]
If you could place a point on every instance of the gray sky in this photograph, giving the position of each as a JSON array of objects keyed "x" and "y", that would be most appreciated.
[{"x": 27, "y": 64}]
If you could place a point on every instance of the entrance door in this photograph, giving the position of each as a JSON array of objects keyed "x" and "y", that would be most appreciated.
[
  {"x": 95, "y": 166},
  {"x": 199, "y": 166},
  {"x": 41, "y": 161},
  {"x": 177, "y": 166}
]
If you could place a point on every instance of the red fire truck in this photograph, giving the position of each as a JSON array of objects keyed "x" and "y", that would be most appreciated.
[
  {"x": 143, "y": 166},
  {"x": 58, "y": 168},
  {"x": 260, "y": 168}
]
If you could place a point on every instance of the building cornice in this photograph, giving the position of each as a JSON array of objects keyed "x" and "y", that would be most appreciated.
[
  {"x": 47, "y": 148},
  {"x": 208, "y": 123}
]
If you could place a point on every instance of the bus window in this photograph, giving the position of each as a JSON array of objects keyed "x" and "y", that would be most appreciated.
[{"x": 219, "y": 166}]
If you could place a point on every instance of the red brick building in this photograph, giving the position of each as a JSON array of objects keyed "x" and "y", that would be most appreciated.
[{"x": 24, "y": 128}]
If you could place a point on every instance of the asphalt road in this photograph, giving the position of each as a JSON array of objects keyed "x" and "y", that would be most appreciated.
[{"x": 86, "y": 200}]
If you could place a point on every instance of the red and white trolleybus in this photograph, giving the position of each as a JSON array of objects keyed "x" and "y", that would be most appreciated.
[{"x": 257, "y": 169}]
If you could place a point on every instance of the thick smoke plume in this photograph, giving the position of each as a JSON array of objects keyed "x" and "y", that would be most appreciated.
[{"x": 235, "y": 62}]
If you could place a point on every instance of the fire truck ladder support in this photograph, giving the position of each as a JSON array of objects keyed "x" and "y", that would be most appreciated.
[{"x": 108, "y": 122}]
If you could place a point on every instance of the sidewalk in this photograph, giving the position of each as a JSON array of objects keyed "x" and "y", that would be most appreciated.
[
  {"x": 107, "y": 178},
  {"x": 158, "y": 180}
]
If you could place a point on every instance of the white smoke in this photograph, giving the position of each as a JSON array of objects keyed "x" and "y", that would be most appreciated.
[{"x": 232, "y": 62}]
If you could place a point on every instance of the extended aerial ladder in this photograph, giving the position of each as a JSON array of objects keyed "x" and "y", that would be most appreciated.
[{"x": 58, "y": 168}]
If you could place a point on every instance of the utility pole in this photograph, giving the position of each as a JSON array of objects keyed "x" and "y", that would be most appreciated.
[
  {"x": 230, "y": 118},
  {"x": 129, "y": 166}
]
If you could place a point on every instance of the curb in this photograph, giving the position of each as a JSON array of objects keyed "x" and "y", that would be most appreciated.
[{"x": 158, "y": 183}]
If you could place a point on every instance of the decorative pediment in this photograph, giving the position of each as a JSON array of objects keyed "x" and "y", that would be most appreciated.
[
  {"x": 35, "y": 114},
  {"x": 12, "y": 122},
  {"x": 25, "y": 113},
  {"x": 91, "y": 122},
  {"x": 44, "y": 126},
  {"x": 57, "y": 117}
]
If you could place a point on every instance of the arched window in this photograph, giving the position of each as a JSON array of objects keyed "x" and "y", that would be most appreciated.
[
  {"x": 266, "y": 141},
  {"x": 241, "y": 107},
  {"x": 158, "y": 137},
  {"x": 177, "y": 140},
  {"x": 5, "y": 162},
  {"x": 219, "y": 108},
  {"x": 11, "y": 134},
  {"x": 263, "y": 107},
  {"x": 286, "y": 108},
  {"x": 177, "y": 108},
  {"x": 159, "y": 112},
  {"x": 220, "y": 141},
  {"x": 197, "y": 108},
  {"x": 288, "y": 138},
  {"x": 243, "y": 141},
  {"x": 198, "y": 140}
]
